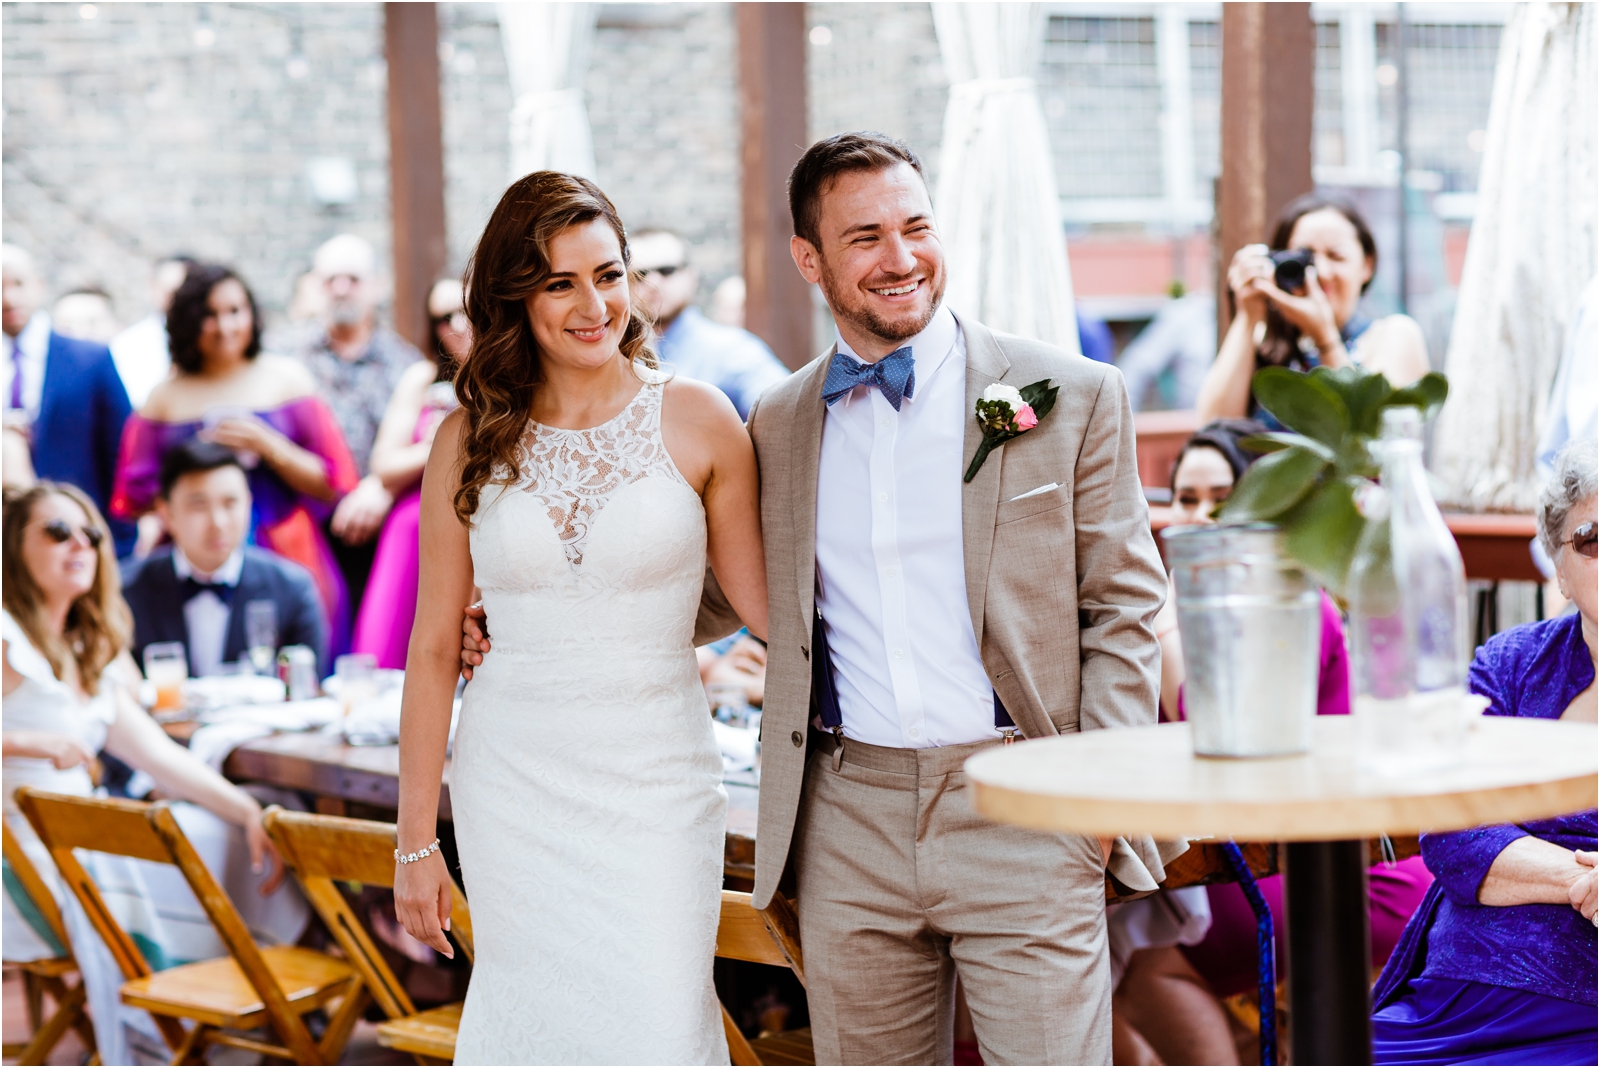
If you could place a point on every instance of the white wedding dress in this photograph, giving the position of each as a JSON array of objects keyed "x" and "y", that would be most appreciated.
[{"x": 586, "y": 782}]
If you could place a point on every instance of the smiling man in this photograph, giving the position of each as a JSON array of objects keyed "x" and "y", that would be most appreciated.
[{"x": 917, "y": 619}]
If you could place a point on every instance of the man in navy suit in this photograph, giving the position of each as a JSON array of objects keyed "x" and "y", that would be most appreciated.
[
  {"x": 63, "y": 394},
  {"x": 196, "y": 592}
]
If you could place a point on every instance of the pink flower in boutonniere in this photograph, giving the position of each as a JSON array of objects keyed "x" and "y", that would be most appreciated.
[{"x": 1005, "y": 412}]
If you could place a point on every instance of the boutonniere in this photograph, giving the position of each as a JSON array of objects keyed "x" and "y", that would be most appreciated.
[{"x": 1006, "y": 412}]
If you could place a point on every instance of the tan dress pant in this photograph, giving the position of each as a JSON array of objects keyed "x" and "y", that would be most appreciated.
[{"x": 901, "y": 887}]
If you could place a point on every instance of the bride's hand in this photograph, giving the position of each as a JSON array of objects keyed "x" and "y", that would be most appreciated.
[
  {"x": 422, "y": 901},
  {"x": 474, "y": 638}
]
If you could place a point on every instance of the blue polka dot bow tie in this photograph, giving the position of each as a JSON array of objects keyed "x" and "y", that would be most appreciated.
[{"x": 895, "y": 376}]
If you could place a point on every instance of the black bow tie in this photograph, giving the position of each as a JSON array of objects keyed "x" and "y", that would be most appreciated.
[{"x": 193, "y": 587}]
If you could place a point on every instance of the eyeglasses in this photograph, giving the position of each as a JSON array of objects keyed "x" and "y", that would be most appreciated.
[
  {"x": 60, "y": 532},
  {"x": 1584, "y": 539},
  {"x": 665, "y": 272}
]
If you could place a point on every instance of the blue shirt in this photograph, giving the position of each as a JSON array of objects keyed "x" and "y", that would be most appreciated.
[
  {"x": 734, "y": 360},
  {"x": 1532, "y": 670}
]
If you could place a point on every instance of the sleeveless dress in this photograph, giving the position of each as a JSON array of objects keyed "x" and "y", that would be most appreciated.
[{"x": 586, "y": 781}]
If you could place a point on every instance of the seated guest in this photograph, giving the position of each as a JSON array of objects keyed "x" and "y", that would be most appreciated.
[
  {"x": 225, "y": 389},
  {"x": 1498, "y": 964},
  {"x": 67, "y": 679},
  {"x": 425, "y": 395},
  {"x": 728, "y": 357},
  {"x": 1207, "y": 468},
  {"x": 195, "y": 592}
]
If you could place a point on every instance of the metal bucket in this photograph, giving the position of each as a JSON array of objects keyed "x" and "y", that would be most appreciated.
[{"x": 1251, "y": 626}]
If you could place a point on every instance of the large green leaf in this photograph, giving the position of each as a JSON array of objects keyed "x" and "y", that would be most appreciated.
[
  {"x": 1321, "y": 532},
  {"x": 1428, "y": 393},
  {"x": 1363, "y": 393},
  {"x": 1272, "y": 485},
  {"x": 1302, "y": 402},
  {"x": 1040, "y": 396},
  {"x": 1276, "y": 441}
]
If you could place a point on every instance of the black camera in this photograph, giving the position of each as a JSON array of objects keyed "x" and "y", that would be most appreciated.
[{"x": 1289, "y": 269}]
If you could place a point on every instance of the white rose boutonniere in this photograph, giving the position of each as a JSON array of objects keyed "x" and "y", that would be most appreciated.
[{"x": 1006, "y": 412}]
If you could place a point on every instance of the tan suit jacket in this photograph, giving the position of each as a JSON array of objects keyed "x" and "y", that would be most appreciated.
[{"x": 1063, "y": 586}]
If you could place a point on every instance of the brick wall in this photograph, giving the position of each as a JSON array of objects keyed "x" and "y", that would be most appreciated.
[{"x": 125, "y": 139}]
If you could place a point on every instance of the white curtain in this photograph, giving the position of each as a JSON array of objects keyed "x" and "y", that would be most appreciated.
[
  {"x": 1530, "y": 255},
  {"x": 998, "y": 210},
  {"x": 547, "y": 55}
]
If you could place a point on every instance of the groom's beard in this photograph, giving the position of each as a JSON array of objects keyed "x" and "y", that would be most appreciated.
[{"x": 847, "y": 304}]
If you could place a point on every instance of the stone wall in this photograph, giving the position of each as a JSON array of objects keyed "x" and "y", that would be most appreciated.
[{"x": 154, "y": 128}]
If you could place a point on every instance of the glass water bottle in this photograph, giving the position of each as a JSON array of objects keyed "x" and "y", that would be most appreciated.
[{"x": 1409, "y": 644}]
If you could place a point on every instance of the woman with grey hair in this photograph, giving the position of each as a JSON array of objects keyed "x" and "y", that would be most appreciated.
[{"x": 1497, "y": 965}]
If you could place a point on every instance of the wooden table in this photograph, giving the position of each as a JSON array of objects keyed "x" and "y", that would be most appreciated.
[{"x": 1146, "y": 780}]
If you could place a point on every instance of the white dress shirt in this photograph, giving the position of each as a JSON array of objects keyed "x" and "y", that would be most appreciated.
[
  {"x": 205, "y": 615},
  {"x": 143, "y": 357},
  {"x": 30, "y": 348},
  {"x": 891, "y": 572}
]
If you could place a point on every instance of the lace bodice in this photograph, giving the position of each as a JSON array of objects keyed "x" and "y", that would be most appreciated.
[{"x": 573, "y": 473}]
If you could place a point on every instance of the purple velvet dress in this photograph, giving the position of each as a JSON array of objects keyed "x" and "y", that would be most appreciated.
[{"x": 1480, "y": 984}]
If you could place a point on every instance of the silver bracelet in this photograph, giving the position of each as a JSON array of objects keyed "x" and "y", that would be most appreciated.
[{"x": 412, "y": 858}]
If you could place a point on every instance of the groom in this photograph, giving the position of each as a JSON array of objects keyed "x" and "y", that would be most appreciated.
[{"x": 919, "y": 619}]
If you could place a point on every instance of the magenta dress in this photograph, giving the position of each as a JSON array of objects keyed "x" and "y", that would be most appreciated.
[
  {"x": 383, "y": 627},
  {"x": 1226, "y": 957},
  {"x": 282, "y": 520}
]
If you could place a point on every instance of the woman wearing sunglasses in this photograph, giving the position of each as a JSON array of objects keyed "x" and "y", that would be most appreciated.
[
  {"x": 1497, "y": 966},
  {"x": 67, "y": 693}
]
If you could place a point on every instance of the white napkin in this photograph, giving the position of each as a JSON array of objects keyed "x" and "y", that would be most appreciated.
[{"x": 738, "y": 746}]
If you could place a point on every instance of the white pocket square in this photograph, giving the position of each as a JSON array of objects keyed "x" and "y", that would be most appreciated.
[{"x": 1036, "y": 491}]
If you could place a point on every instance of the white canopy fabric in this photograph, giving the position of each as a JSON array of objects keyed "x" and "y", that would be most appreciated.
[
  {"x": 1529, "y": 258},
  {"x": 999, "y": 214},
  {"x": 547, "y": 55}
]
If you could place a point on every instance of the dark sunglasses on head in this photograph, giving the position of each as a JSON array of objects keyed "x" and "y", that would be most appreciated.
[
  {"x": 665, "y": 272},
  {"x": 60, "y": 532},
  {"x": 1583, "y": 540}
]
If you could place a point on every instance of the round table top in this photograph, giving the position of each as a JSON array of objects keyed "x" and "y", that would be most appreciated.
[{"x": 1147, "y": 780}]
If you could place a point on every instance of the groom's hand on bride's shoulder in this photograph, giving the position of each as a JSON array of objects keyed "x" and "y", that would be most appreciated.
[{"x": 474, "y": 638}]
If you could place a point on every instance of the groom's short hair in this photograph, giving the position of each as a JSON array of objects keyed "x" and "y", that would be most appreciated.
[{"x": 831, "y": 157}]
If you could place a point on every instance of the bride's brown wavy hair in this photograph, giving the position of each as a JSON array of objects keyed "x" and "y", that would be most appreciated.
[{"x": 496, "y": 382}]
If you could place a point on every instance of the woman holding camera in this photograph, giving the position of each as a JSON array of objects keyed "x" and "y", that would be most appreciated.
[{"x": 1301, "y": 311}]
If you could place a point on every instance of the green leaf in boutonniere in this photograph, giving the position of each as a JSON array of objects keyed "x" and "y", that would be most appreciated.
[{"x": 1006, "y": 412}]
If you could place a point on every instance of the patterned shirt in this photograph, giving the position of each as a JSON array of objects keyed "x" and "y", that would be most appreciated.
[{"x": 358, "y": 390}]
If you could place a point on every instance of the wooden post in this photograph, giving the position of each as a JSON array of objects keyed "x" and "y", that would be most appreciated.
[
  {"x": 416, "y": 162},
  {"x": 772, "y": 107},
  {"x": 1268, "y": 59}
]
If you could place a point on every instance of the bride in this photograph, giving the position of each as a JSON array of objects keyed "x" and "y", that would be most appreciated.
[{"x": 583, "y": 493}]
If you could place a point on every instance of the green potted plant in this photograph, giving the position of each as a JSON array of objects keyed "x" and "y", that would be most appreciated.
[{"x": 1247, "y": 588}]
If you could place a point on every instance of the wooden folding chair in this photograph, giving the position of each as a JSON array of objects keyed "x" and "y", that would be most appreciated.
[
  {"x": 324, "y": 850},
  {"x": 763, "y": 936},
  {"x": 49, "y": 975},
  {"x": 252, "y": 987}
]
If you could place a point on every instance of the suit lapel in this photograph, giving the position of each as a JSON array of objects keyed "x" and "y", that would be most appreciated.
[
  {"x": 249, "y": 589},
  {"x": 54, "y": 375},
  {"x": 980, "y": 498},
  {"x": 806, "y": 434}
]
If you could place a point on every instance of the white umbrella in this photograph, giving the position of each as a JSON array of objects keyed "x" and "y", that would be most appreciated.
[{"x": 998, "y": 210}]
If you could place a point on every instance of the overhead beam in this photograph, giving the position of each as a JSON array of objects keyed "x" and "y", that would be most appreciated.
[
  {"x": 416, "y": 163},
  {"x": 772, "y": 111},
  {"x": 1268, "y": 60}
]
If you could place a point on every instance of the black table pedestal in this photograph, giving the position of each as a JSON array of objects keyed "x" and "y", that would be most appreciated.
[{"x": 1330, "y": 953}]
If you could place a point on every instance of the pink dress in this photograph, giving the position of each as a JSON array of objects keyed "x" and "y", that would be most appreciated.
[
  {"x": 1226, "y": 957},
  {"x": 283, "y": 520},
  {"x": 389, "y": 607}
]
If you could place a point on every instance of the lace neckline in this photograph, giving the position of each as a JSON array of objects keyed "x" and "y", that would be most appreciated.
[{"x": 575, "y": 473}]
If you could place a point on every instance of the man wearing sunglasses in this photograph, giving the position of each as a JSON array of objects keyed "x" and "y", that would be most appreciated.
[{"x": 734, "y": 360}]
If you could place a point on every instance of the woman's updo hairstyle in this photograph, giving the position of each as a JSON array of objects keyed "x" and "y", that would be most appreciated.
[
  {"x": 495, "y": 384},
  {"x": 191, "y": 307}
]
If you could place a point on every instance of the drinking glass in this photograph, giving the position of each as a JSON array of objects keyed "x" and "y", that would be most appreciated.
[
  {"x": 261, "y": 635},
  {"x": 166, "y": 666},
  {"x": 358, "y": 679}
]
